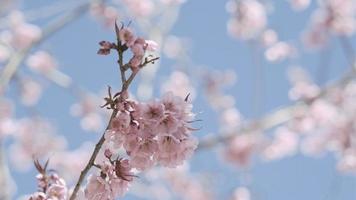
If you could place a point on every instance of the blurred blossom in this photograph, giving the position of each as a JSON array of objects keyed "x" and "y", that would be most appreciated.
[
  {"x": 329, "y": 124},
  {"x": 285, "y": 143},
  {"x": 20, "y": 34},
  {"x": 78, "y": 159},
  {"x": 139, "y": 8},
  {"x": 173, "y": 47},
  {"x": 269, "y": 37},
  {"x": 7, "y": 123},
  {"x": 241, "y": 148},
  {"x": 214, "y": 83},
  {"x": 42, "y": 62},
  {"x": 173, "y": 2},
  {"x": 34, "y": 138},
  {"x": 187, "y": 187},
  {"x": 279, "y": 51},
  {"x": 302, "y": 86},
  {"x": 299, "y": 5},
  {"x": 248, "y": 19},
  {"x": 347, "y": 162},
  {"x": 31, "y": 92},
  {"x": 315, "y": 38},
  {"x": 106, "y": 14},
  {"x": 179, "y": 84},
  {"x": 332, "y": 16},
  {"x": 241, "y": 193},
  {"x": 230, "y": 120},
  {"x": 88, "y": 109}
]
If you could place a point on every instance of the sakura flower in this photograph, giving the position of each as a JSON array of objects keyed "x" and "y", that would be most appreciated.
[
  {"x": 151, "y": 45},
  {"x": 57, "y": 191},
  {"x": 112, "y": 183},
  {"x": 50, "y": 185},
  {"x": 105, "y": 47},
  {"x": 38, "y": 196},
  {"x": 97, "y": 189},
  {"x": 153, "y": 112},
  {"x": 127, "y": 36}
]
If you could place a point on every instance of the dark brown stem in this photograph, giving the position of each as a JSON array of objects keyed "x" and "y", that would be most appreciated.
[{"x": 91, "y": 163}]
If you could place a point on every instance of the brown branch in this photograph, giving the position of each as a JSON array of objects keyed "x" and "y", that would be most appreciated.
[{"x": 91, "y": 163}]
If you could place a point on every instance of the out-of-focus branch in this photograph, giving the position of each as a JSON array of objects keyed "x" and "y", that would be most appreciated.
[
  {"x": 6, "y": 182},
  {"x": 275, "y": 118},
  {"x": 17, "y": 58}
]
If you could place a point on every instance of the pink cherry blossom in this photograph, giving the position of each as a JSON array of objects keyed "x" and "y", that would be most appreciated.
[{"x": 127, "y": 36}]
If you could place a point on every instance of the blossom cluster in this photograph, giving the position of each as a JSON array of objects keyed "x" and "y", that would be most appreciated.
[
  {"x": 154, "y": 132},
  {"x": 332, "y": 16},
  {"x": 137, "y": 45},
  {"x": 113, "y": 180},
  {"x": 50, "y": 185},
  {"x": 151, "y": 133},
  {"x": 249, "y": 18}
]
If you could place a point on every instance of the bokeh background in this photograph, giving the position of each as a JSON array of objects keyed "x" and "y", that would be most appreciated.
[{"x": 202, "y": 25}]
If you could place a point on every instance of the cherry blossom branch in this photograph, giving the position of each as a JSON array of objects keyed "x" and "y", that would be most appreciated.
[
  {"x": 111, "y": 102},
  {"x": 17, "y": 58}
]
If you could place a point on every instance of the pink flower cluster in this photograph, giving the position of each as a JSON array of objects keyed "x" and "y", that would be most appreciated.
[
  {"x": 50, "y": 185},
  {"x": 328, "y": 126},
  {"x": 113, "y": 180},
  {"x": 137, "y": 45},
  {"x": 332, "y": 16},
  {"x": 154, "y": 132}
]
